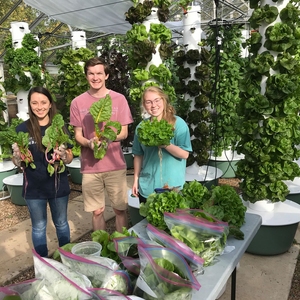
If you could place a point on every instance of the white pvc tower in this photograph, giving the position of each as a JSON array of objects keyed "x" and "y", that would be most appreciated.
[
  {"x": 192, "y": 34},
  {"x": 18, "y": 30},
  {"x": 5, "y": 113},
  {"x": 78, "y": 40},
  {"x": 153, "y": 19},
  {"x": 192, "y": 28}
]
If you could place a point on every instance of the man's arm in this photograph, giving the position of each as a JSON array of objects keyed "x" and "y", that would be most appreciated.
[
  {"x": 81, "y": 140},
  {"x": 123, "y": 134},
  {"x": 84, "y": 142}
]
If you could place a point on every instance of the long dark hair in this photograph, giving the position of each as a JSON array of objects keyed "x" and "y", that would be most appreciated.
[{"x": 32, "y": 123}]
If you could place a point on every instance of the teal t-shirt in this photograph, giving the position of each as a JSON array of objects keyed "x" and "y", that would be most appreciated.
[{"x": 168, "y": 170}]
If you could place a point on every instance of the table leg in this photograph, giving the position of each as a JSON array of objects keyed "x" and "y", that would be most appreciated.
[{"x": 233, "y": 284}]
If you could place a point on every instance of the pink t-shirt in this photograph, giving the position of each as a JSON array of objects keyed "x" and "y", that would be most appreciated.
[{"x": 81, "y": 117}]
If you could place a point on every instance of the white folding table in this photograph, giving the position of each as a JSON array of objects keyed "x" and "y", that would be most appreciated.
[{"x": 216, "y": 276}]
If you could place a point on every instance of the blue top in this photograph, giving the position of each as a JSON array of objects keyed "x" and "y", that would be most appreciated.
[
  {"x": 169, "y": 170},
  {"x": 37, "y": 183}
]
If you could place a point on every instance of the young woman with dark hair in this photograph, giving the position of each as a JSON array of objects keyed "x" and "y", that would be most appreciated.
[{"x": 39, "y": 188}]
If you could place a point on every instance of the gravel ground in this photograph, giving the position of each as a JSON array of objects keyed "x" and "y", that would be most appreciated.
[{"x": 11, "y": 214}]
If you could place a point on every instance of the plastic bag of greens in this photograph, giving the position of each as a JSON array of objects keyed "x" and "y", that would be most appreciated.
[
  {"x": 33, "y": 289},
  {"x": 202, "y": 215},
  {"x": 6, "y": 294},
  {"x": 103, "y": 272},
  {"x": 166, "y": 240},
  {"x": 105, "y": 294},
  {"x": 95, "y": 270},
  {"x": 206, "y": 239},
  {"x": 119, "y": 281},
  {"x": 61, "y": 280},
  {"x": 127, "y": 249},
  {"x": 164, "y": 274}
]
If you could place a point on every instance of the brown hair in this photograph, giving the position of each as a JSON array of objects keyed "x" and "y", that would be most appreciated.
[
  {"x": 169, "y": 111},
  {"x": 94, "y": 62},
  {"x": 32, "y": 123}
]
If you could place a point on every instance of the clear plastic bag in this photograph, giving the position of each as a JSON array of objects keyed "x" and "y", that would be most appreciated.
[
  {"x": 206, "y": 239},
  {"x": 127, "y": 249},
  {"x": 161, "y": 237},
  {"x": 33, "y": 289},
  {"x": 101, "y": 271},
  {"x": 105, "y": 294},
  {"x": 96, "y": 272},
  {"x": 63, "y": 282},
  {"x": 6, "y": 291},
  {"x": 164, "y": 274},
  {"x": 202, "y": 215}
]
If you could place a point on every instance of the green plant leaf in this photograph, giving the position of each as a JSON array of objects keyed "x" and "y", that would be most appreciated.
[{"x": 101, "y": 112}]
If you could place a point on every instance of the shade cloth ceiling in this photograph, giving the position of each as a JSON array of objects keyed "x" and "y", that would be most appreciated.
[
  {"x": 104, "y": 16},
  {"x": 107, "y": 16}
]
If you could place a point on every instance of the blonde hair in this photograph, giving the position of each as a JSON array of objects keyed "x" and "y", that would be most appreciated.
[{"x": 168, "y": 111}]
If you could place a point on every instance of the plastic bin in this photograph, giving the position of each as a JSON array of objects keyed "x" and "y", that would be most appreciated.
[
  {"x": 134, "y": 208},
  {"x": 14, "y": 185},
  {"x": 74, "y": 170},
  {"x": 7, "y": 168},
  {"x": 87, "y": 248}
]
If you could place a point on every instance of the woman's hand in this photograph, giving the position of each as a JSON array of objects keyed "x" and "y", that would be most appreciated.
[
  {"x": 16, "y": 154},
  {"x": 62, "y": 151},
  {"x": 135, "y": 190}
]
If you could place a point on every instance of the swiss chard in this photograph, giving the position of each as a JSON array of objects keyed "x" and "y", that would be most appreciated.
[
  {"x": 53, "y": 138},
  {"x": 101, "y": 112},
  {"x": 22, "y": 140}
]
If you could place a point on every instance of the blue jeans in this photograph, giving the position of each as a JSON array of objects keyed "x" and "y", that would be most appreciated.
[{"x": 38, "y": 214}]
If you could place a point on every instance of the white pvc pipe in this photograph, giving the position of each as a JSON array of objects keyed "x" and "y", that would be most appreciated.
[
  {"x": 22, "y": 104},
  {"x": 18, "y": 30},
  {"x": 153, "y": 19},
  {"x": 78, "y": 40},
  {"x": 4, "y": 99},
  {"x": 192, "y": 27}
]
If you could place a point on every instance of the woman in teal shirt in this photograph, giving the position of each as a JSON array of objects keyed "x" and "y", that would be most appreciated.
[{"x": 151, "y": 172}]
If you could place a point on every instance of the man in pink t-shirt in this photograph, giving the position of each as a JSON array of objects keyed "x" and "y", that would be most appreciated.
[{"x": 109, "y": 173}]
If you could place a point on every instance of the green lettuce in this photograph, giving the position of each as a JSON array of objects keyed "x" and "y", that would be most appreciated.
[{"x": 155, "y": 133}]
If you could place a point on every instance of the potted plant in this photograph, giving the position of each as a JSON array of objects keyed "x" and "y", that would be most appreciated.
[
  {"x": 7, "y": 168},
  {"x": 269, "y": 111},
  {"x": 150, "y": 41},
  {"x": 225, "y": 66},
  {"x": 71, "y": 77},
  {"x": 199, "y": 115},
  {"x": 23, "y": 65}
]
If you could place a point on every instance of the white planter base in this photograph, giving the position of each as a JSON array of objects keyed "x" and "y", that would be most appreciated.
[
  {"x": 284, "y": 213},
  {"x": 202, "y": 173},
  {"x": 278, "y": 229},
  {"x": 263, "y": 205}
]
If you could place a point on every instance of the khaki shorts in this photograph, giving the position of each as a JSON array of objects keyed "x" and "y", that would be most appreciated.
[{"x": 95, "y": 185}]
